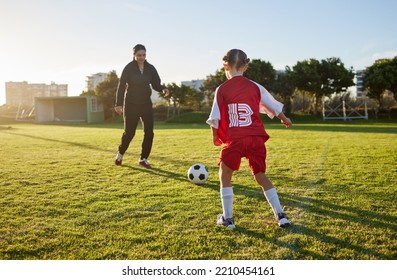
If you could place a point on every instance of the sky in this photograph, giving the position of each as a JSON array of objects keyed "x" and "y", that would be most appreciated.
[{"x": 44, "y": 41}]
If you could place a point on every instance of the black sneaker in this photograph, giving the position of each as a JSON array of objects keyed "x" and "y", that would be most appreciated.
[
  {"x": 229, "y": 222},
  {"x": 282, "y": 220}
]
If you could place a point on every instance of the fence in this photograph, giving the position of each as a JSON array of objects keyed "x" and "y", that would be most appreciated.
[{"x": 354, "y": 109}]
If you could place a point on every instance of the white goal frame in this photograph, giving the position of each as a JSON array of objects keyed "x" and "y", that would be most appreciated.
[{"x": 349, "y": 110}]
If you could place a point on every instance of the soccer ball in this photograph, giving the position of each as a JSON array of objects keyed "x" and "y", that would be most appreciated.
[{"x": 197, "y": 173}]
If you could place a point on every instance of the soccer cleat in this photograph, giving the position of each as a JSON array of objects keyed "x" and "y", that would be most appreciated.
[
  {"x": 229, "y": 222},
  {"x": 118, "y": 159},
  {"x": 282, "y": 220},
  {"x": 143, "y": 162}
]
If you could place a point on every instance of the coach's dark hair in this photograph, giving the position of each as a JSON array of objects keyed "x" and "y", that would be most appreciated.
[
  {"x": 236, "y": 58},
  {"x": 138, "y": 47}
]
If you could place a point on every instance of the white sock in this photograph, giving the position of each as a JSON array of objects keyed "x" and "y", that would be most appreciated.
[
  {"x": 272, "y": 198},
  {"x": 227, "y": 198}
]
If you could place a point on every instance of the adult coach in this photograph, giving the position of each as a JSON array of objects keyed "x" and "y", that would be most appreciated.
[{"x": 134, "y": 102}]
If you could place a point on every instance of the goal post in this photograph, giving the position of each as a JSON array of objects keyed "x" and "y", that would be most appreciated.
[{"x": 345, "y": 110}]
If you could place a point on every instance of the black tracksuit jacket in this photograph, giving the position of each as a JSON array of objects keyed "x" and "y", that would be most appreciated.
[{"x": 137, "y": 84}]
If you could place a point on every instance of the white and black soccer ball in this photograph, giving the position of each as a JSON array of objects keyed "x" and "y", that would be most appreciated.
[{"x": 197, "y": 173}]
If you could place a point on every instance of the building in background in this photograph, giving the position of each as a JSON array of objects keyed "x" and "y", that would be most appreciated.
[
  {"x": 196, "y": 84},
  {"x": 23, "y": 94},
  {"x": 360, "y": 83},
  {"x": 93, "y": 80}
]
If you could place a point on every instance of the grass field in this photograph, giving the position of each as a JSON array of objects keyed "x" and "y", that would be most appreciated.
[{"x": 61, "y": 196}]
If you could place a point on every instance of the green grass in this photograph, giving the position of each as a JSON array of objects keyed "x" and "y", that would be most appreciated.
[{"x": 63, "y": 198}]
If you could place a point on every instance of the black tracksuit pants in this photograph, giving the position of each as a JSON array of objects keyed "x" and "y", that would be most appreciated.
[{"x": 132, "y": 114}]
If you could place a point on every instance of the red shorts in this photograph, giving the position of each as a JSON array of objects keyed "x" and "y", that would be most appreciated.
[{"x": 251, "y": 147}]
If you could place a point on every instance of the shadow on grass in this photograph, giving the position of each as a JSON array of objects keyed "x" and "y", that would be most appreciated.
[
  {"x": 77, "y": 144},
  {"x": 331, "y": 211},
  {"x": 348, "y": 213},
  {"x": 159, "y": 125},
  {"x": 293, "y": 246},
  {"x": 326, "y": 211},
  {"x": 157, "y": 172},
  {"x": 342, "y": 127},
  {"x": 171, "y": 175},
  {"x": 361, "y": 126},
  {"x": 329, "y": 242},
  {"x": 358, "y": 127},
  {"x": 6, "y": 127},
  {"x": 299, "y": 233}
]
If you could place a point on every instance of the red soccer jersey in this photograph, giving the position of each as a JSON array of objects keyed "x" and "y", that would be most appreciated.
[{"x": 236, "y": 108}]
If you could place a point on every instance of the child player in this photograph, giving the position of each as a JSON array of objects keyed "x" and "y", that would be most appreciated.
[{"x": 236, "y": 125}]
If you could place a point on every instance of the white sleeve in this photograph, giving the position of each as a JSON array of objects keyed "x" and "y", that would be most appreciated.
[
  {"x": 215, "y": 115},
  {"x": 268, "y": 104}
]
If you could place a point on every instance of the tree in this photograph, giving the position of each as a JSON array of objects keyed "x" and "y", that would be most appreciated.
[
  {"x": 211, "y": 83},
  {"x": 393, "y": 82},
  {"x": 106, "y": 91},
  {"x": 88, "y": 93},
  {"x": 284, "y": 87},
  {"x": 194, "y": 98},
  {"x": 174, "y": 98},
  {"x": 321, "y": 78},
  {"x": 181, "y": 96},
  {"x": 261, "y": 72},
  {"x": 305, "y": 76},
  {"x": 381, "y": 76},
  {"x": 335, "y": 77}
]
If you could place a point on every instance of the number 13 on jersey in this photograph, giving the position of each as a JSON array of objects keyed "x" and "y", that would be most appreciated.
[{"x": 240, "y": 115}]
